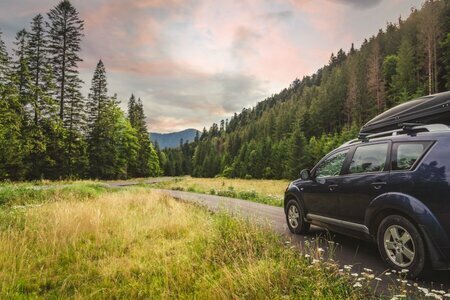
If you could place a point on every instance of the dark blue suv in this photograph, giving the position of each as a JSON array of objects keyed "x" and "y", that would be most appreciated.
[{"x": 392, "y": 187}]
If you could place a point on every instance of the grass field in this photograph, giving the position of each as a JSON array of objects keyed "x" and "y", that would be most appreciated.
[
  {"x": 88, "y": 241},
  {"x": 263, "y": 191}
]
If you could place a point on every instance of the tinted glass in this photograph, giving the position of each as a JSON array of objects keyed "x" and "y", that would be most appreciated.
[
  {"x": 332, "y": 165},
  {"x": 406, "y": 154},
  {"x": 370, "y": 158}
]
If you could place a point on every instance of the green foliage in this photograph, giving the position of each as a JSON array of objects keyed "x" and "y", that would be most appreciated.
[
  {"x": 147, "y": 160},
  {"x": 18, "y": 195},
  {"x": 43, "y": 132},
  {"x": 446, "y": 60},
  {"x": 114, "y": 144}
]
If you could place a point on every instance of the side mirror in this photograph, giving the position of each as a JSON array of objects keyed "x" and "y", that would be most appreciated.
[{"x": 305, "y": 174}]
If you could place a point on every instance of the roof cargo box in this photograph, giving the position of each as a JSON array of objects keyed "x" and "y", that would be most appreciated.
[{"x": 432, "y": 109}]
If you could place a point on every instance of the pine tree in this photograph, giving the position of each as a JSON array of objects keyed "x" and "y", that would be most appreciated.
[
  {"x": 147, "y": 162},
  {"x": 404, "y": 81},
  {"x": 430, "y": 31},
  {"x": 65, "y": 33},
  {"x": 38, "y": 64},
  {"x": 132, "y": 110},
  {"x": 375, "y": 82},
  {"x": 446, "y": 61},
  {"x": 5, "y": 63},
  {"x": 22, "y": 77},
  {"x": 64, "y": 38},
  {"x": 117, "y": 144},
  {"x": 11, "y": 121},
  {"x": 98, "y": 92},
  {"x": 352, "y": 98},
  {"x": 76, "y": 145}
]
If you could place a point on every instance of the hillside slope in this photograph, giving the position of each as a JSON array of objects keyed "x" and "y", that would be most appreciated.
[{"x": 296, "y": 127}]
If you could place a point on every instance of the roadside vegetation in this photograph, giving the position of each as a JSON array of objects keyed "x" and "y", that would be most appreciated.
[
  {"x": 269, "y": 192},
  {"x": 90, "y": 241}
]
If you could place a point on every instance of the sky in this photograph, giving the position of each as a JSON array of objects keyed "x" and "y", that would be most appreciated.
[{"x": 195, "y": 62}]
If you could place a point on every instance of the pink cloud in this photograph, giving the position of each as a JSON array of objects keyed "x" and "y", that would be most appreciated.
[{"x": 170, "y": 124}]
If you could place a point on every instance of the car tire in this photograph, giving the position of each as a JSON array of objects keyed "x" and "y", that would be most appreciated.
[
  {"x": 295, "y": 218},
  {"x": 401, "y": 246}
]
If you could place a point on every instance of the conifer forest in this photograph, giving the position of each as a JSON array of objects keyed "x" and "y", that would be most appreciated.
[{"x": 50, "y": 130}]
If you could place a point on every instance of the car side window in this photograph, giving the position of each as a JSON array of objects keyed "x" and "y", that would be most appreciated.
[
  {"x": 332, "y": 165},
  {"x": 369, "y": 158},
  {"x": 405, "y": 155}
]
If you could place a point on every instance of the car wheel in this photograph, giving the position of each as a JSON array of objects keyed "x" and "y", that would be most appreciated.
[
  {"x": 401, "y": 245},
  {"x": 295, "y": 218}
]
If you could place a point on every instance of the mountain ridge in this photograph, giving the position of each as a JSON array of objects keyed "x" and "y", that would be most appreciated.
[{"x": 172, "y": 139}]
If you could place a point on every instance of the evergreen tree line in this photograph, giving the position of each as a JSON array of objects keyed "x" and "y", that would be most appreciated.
[
  {"x": 293, "y": 129},
  {"x": 47, "y": 128}
]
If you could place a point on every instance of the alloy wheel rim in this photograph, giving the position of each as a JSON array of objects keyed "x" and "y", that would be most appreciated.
[
  {"x": 399, "y": 246},
  {"x": 293, "y": 216}
]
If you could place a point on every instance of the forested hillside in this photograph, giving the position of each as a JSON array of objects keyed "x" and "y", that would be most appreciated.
[
  {"x": 48, "y": 129},
  {"x": 294, "y": 128}
]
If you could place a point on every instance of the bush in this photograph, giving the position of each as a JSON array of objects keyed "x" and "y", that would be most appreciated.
[
  {"x": 191, "y": 189},
  {"x": 227, "y": 172},
  {"x": 229, "y": 193},
  {"x": 248, "y": 195}
]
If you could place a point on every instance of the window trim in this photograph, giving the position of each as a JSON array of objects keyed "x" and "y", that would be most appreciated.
[
  {"x": 387, "y": 165},
  {"x": 418, "y": 160}
]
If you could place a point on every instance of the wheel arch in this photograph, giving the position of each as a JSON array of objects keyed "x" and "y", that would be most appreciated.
[
  {"x": 293, "y": 193},
  {"x": 416, "y": 212}
]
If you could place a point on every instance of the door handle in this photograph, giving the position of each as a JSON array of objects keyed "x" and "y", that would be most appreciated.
[
  {"x": 378, "y": 185},
  {"x": 332, "y": 187}
]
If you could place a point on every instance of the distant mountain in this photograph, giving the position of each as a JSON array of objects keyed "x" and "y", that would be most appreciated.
[{"x": 172, "y": 140}]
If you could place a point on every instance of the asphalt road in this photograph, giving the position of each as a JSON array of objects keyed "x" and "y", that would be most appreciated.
[{"x": 344, "y": 250}]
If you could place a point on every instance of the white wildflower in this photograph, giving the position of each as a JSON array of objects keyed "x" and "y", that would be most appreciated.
[{"x": 357, "y": 285}]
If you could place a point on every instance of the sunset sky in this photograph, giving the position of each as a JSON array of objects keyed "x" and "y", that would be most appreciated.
[{"x": 195, "y": 62}]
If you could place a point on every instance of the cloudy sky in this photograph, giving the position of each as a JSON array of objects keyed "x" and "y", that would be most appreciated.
[{"x": 194, "y": 62}]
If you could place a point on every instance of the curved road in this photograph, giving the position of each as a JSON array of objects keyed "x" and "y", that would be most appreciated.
[{"x": 347, "y": 250}]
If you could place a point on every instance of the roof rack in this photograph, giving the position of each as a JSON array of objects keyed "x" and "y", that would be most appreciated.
[
  {"x": 409, "y": 129},
  {"x": 405, "y": 128}
]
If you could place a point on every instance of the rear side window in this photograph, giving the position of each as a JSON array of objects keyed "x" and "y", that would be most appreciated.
[
  {"x": 405, "y": 155},
  {"x": 370, "y": 158}
]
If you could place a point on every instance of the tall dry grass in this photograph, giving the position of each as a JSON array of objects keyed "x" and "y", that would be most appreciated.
[{"x": 140, "y": 244}]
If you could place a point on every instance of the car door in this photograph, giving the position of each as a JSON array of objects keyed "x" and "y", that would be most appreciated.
[
  {"x": 365, "y": 177},
  {"x": 320, "y": 193}
]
